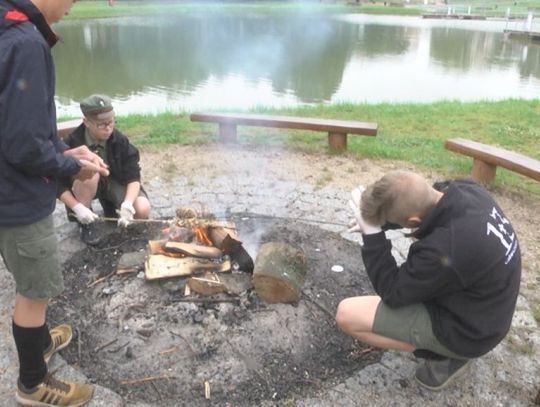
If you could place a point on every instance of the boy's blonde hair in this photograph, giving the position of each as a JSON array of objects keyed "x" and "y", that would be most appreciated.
[{"x": 396, "y": 197}]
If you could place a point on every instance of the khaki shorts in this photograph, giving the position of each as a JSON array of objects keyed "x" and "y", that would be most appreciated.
[
  {"x": 111, "y": 190},
  {"x": 410, "y": 324},
  {"x": 30, "y": 253}
]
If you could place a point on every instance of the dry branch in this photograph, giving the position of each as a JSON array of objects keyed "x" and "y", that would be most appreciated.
[{"x": 147, "y": 379}]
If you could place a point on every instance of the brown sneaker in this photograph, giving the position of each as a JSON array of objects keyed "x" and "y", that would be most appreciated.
[
  {"x": 60, "y": 338},
  {"x": 54, "y": 392}
]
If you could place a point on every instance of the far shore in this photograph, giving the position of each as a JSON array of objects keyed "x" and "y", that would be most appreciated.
[{"x": 410, "y": 132}]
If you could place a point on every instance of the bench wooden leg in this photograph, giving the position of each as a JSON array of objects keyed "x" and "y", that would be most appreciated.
[
  {"x": 227, "y": 133},
  {"x": 337, "y": 141},
  {"x": 483, "y": 172}
]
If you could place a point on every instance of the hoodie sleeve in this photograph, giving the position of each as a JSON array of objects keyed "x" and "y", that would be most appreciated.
[
  {"x": 423, "y": 276},
  {"x": 29, "y": 140}
]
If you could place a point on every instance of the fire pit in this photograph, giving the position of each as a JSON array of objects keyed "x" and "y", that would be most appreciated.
[{"x": 150, "y": 342}]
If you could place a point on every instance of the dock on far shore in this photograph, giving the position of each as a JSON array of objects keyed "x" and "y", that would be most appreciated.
[
  {"x": 454, "y": 16},
  {"x": 523, "y": 34}
]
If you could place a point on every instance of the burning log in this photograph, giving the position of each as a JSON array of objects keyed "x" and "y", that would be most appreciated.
[
  {"x": 280, "y": 270},
  {"x": 159, "y": 266},
  {"x": 194, "y": 250},
  {"x": 227, "y": 240},
  {"x": 224, "y": 238},
  {"x": 157, "y": 246}
]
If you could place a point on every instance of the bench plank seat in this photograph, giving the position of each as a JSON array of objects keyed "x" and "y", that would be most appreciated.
[
  {"x": 337, "y": 129},
  {"x": 486, "y": 158},
  {"x": 65, "y": 128}
]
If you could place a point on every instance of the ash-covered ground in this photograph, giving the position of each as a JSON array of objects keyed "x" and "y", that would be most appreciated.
[{"x": 143, "y": 341}]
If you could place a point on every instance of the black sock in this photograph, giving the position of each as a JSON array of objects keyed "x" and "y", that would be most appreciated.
[
  {"x": 47, "y": 340},
  {"x": 29, "y": 342}
]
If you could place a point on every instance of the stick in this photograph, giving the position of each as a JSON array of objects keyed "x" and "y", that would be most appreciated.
[
  {"x": 99, "y": 280},
  {"x": 79, "y": 345},
  {"x": 207, "y": 390},
  {"x": 206, "y": 300},
  {"x": 170, "y": 350},
  {"x": 148, "y": 379},
  {"x": 106, "y": 219},
  {"x": 307, "y": 297},
  {"x": 107, "y": 344},
  {"x": 119, "y": 348},
  {"x": 186, "y": 341},
  {"x": 156, "y": 390}
]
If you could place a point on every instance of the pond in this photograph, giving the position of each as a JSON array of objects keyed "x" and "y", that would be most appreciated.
[{"x": 238, "y": 61}]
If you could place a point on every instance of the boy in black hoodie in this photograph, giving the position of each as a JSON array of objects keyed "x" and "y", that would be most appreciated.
[{"x": 453, "y": 298}]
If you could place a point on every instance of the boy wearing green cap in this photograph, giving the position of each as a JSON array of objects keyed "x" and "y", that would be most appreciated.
[{"x": 121, "y": 193}]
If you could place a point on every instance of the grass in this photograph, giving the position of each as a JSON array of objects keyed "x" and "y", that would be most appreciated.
[
  {"x": 87, "y": 9},
  {"x": 100, "y": 9},
  {"x": 411, "y": 132}
]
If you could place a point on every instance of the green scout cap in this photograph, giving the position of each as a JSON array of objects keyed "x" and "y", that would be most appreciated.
[{"x": 97, "y": 105}]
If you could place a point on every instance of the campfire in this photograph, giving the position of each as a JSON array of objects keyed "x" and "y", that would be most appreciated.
[
  {"x": 205, "y": 250},
  {"x": 222, "y": 341}
]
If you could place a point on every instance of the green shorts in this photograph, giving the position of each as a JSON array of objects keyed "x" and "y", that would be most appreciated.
[
  {"x": 410, "y": 324},
  {"x": 113, "y": 191},
  {"x": 30, "y": 253}
]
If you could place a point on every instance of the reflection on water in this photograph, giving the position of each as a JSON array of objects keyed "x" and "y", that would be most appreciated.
[{"x": 235, "y": 61}]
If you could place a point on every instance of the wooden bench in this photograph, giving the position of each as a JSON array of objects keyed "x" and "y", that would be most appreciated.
[
  {"x": 337, "y": 129},
  {"x": 65, "y": 128},
  {"x": 486, "y": 159}
]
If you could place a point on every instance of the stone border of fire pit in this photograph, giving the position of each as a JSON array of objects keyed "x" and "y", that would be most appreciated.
[{"x": 506, "y": 376}]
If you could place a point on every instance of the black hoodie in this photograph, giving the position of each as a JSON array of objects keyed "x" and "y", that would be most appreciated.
[
  {"x": 465, "y": 268},
  {"x": 30, "y": 151}
]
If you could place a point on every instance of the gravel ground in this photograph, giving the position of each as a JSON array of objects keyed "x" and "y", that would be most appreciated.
[{"x": 316, "y": 186}]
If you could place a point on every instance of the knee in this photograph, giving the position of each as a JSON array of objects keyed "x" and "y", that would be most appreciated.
[
  {"x": 142, "y": 208},
  {"x": 346, "y": 314}
]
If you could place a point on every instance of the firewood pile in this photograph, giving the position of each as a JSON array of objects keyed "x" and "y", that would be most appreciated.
[{"x": 207, "y": 251}]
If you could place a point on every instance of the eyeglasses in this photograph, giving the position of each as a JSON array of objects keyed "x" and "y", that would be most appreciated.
[{"x": 104, "y": 125}]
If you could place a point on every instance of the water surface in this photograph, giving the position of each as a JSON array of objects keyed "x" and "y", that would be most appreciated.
[{"x": 239, "y": 61}]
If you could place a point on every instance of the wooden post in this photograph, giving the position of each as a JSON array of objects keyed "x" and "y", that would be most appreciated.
[
  {"x": 280, "y": 270},
  {"x": 337, "y": 141},
  {"x": 483, "y": 172},
  {"x": 227, "y": 132}
]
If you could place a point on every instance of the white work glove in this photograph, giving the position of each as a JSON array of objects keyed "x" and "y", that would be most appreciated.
[
  {"x": 358, "y": 224},
  {"x": 83, "y": 214},
  {"x": 126, "y": 213}
]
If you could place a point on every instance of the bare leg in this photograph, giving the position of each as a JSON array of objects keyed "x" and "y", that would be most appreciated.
[
  {"x": 85, "y": 191},
  {"x": 355, "y": 316},
  {"x": 29, "y": 313}
]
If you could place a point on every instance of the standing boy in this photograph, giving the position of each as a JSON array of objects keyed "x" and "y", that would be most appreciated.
[
  {"x": 31, "y": 159},
  {"x": 453, "y": 298}
]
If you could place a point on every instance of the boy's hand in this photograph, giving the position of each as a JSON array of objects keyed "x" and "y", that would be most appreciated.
[
  {"x": 87, "y": 157},
  {"x": 83, "y": 214},
  {"x": 358, "y": 224},
  {"x": 126, "y": 213},
  {"x": 88, "y": 169}
]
